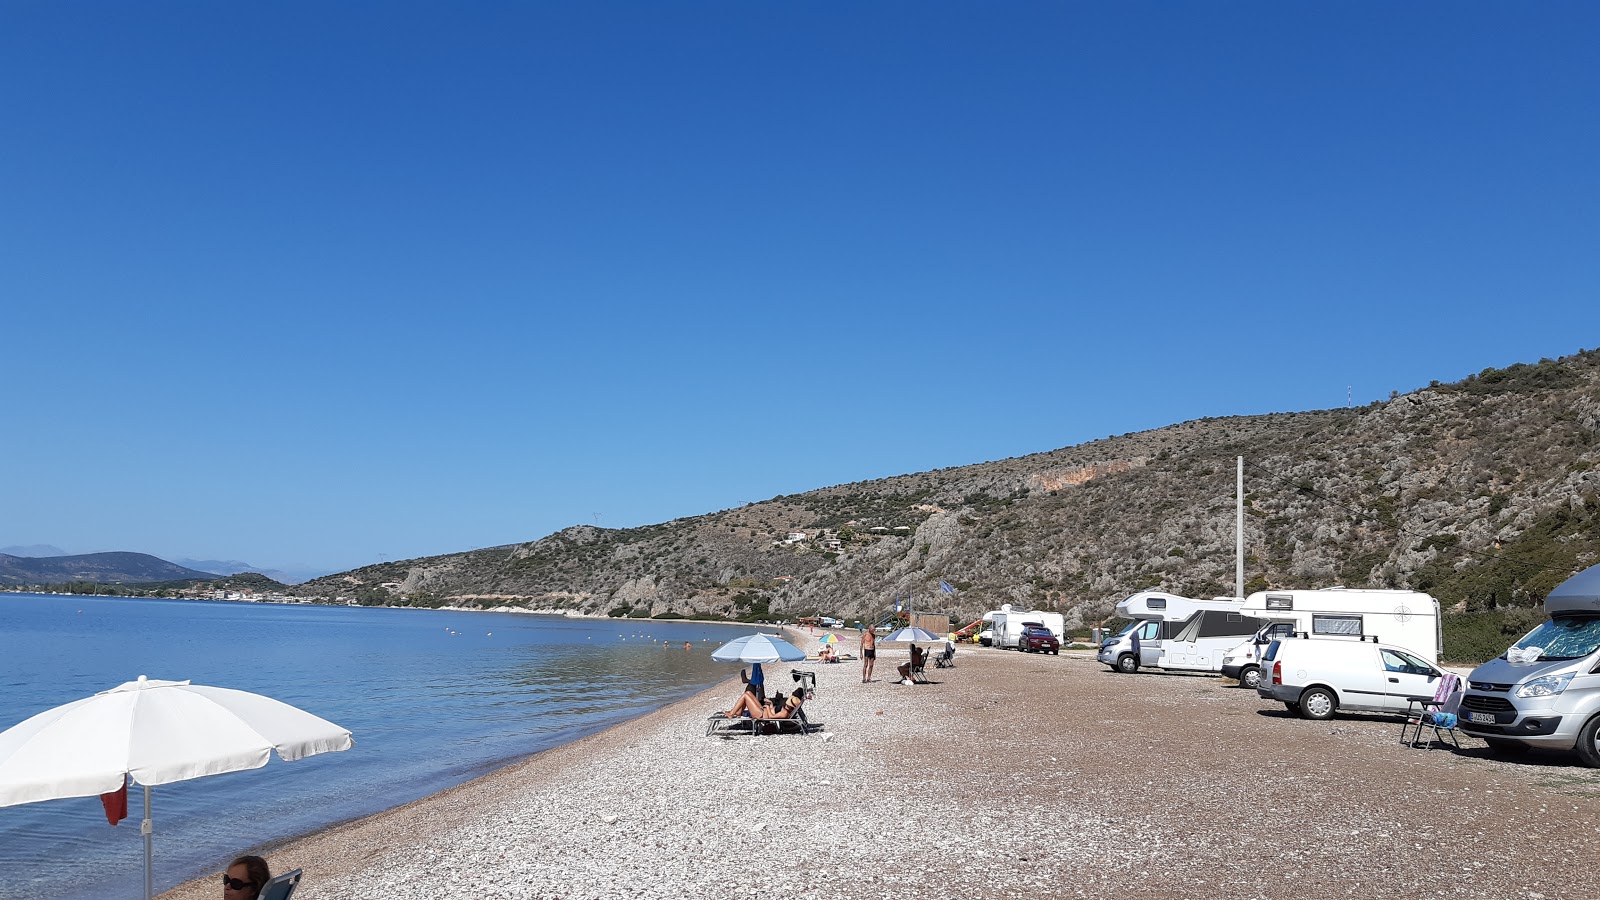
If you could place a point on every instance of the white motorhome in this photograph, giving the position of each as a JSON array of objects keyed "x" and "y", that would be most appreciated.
[
  {"x": 1006, "y": 624},
  {"x": 1407, "y": 619},
  {"x": 1159, "y": 618}
]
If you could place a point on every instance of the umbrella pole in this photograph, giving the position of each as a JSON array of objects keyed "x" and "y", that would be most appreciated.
[{"x": 146, "y": 829}]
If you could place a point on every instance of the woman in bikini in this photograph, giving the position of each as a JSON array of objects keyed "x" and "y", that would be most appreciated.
[{"x": 752, "y": 704}]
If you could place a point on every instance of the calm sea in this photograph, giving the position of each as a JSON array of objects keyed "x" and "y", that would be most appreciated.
[{"x": 434, "y": 698}]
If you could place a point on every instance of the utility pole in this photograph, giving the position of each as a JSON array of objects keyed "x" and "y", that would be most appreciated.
[{"x": 1238, "y": 537}]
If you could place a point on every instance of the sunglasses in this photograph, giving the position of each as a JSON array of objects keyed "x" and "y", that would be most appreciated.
[{"x": 234, "y": 884}]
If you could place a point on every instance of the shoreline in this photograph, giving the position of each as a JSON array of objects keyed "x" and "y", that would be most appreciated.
[{"x": 424, "y": 811}]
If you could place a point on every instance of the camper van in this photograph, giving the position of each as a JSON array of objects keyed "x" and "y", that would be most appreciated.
[
  {"x": 1006, "y": 625},
  {"x": 1408, "y": 619},
  {"x": 1544, "y": 692},
  {"x": 1159, "y": 618}
]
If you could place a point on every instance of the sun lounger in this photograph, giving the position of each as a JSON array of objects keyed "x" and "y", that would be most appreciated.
[{"x": 282, "y": 887}]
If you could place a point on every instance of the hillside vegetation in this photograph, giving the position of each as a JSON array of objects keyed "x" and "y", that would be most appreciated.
[{"x": 1482, "y": 492}]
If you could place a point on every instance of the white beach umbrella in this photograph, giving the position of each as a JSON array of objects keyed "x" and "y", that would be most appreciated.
[
  {"x": 911, "y": 633},
  {"x": 758, "y": 648},
  {"x": 156, "y": 732}
]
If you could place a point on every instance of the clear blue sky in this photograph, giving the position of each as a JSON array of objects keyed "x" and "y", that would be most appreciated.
[{"x": 323, "y": 283}]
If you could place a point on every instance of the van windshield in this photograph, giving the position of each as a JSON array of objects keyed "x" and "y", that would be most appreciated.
[
  {"x": 1129, "y": 627},
  {"x": 1564, "y": 637}
]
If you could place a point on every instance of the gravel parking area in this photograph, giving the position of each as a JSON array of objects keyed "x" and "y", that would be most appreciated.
[{"x": 1012, "y": 775}]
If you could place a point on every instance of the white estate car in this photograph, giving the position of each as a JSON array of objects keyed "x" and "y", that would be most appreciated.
[{"x": 1316, "y": 677}]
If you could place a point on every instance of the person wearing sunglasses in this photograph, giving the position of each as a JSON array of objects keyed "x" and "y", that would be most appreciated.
[{"x": 244, "y": 878}]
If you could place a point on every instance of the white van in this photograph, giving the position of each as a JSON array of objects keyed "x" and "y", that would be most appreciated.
[
  {"x": 1545, "y": 691},
  {"x": 1408, "y": 619},
  {"x": 1006, "y": 625},
  {"x": 1158, "y": 617},
  {"x": 1316, "y": 677}
]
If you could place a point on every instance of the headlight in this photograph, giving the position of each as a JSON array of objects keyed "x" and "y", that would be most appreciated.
[{"x": 1545, "y": 686}]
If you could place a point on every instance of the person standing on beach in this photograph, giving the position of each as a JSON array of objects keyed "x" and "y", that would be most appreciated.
[{"x": 869, "y": 653}]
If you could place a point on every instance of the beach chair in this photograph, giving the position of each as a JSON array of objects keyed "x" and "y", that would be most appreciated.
[
  {"x": 947, "y": 659},
  {"x": 805, "y": 679},
  {"x": 919, "y": 671},
  {"x": 719, "y": 723},
  {"x": 1437, "y": 713},
  {"x": 281, "y": 887}
]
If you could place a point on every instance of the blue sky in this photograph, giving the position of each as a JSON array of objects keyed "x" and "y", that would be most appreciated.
[{"x": 319, "y": 284}]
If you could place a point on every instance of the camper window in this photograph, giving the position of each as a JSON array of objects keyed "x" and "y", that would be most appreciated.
[
  {"x": 1281, "y": 601},
  {"x": 1156, "y": 602},
  {"x": 1336, "y": 625},
  {"x": 1226, "y": 624}
]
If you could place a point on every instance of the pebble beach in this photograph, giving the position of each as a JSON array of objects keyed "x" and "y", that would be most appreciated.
[{"x": 1010, "y": 775}]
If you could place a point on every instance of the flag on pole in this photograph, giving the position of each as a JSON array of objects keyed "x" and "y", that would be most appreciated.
[
  {"x": 897, "y": 604},
  {"x": 945, "y": 586}
]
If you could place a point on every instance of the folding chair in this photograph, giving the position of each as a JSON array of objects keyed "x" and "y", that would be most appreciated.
[
  {"x": 1435, "y": 713},
  {"x": 805, "y": 679},
  {"x": 282, "y": 887},
  {"x": 947, "y": 659}
]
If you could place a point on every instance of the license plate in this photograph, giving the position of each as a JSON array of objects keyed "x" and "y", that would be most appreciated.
[{"x": 1481, "y": 718}]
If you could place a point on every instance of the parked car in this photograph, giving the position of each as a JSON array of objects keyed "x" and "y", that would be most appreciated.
[
  {"x": 1317, "y": 677},
  {"x": 986, "y": 637},
  {"x": 1545, "y": 691},
  {"x": 1038, "y": 639}
]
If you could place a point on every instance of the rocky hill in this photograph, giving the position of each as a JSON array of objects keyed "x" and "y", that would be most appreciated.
[{"x": 1483, "y": 492}]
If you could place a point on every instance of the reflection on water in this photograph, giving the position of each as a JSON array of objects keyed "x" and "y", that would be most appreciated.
[{"x": 434, "y": 698}]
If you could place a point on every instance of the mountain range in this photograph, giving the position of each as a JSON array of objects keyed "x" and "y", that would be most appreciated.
[
  {"x": 1482, "y": 491},
  {"x": 104, "y": 568}
]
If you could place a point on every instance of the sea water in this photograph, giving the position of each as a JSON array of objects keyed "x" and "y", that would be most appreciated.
[{"x": 434, "y": 698}]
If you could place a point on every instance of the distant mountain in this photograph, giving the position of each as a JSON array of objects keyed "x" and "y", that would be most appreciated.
[
  {"x": 34, "y": 550},
  {"x": 1484, "y": 492},
  {"x": 292, "y": 575},
  {"x": 110, "y": 568}
]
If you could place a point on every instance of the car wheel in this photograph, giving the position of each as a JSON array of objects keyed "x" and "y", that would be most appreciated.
[
  {"x": 1056, "y": 651},
  {"x": 1589, "y": 743},
  {"x": 1503, "y": 747},
  {"x": 1318, "y": 703},
  {"x": 1126, "y": 663},
  {"x": 1250, "y": 678}
]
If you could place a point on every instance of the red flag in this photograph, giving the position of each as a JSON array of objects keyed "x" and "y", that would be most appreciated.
[{"x": 116, "y": 804}]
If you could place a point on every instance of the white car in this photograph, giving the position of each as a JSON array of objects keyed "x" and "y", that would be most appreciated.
[{"x": 1317, "y": 677}]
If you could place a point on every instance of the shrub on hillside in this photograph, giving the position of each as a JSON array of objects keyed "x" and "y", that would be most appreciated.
[{"x": 1475, "y": 637}]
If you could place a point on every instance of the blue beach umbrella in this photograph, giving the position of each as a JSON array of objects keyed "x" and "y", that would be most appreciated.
[{"x": 758, "y": 648}]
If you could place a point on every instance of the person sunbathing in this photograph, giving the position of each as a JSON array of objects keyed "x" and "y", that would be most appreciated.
[
  {"x": 751, "y": 697},
  {"x": 244, "y": 878},
  {"x": 752, "y": 705}
]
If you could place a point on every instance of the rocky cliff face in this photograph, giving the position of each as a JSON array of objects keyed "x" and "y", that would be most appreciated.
[{"x": 1483, "y": 492}]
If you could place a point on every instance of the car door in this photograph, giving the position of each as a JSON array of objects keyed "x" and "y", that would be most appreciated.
[
  {"x": 1407, "y": 678},
  {"x": 1362, "y": 683},
  {"x": 1150, "y": 643}
]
